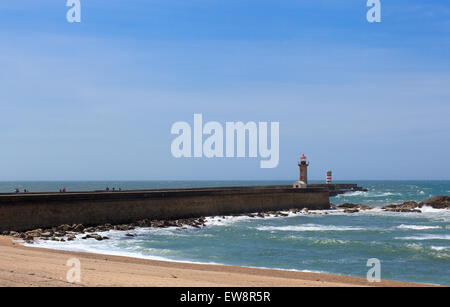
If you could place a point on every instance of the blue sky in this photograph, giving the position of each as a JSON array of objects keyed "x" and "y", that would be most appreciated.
[{"x": 96, "y": 100}]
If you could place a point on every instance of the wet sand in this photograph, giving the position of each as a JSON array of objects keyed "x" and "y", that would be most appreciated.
[{"x": 31, "y": 266}]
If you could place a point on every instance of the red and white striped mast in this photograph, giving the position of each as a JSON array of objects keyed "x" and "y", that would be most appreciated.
[{"x": 329, "y": 177}]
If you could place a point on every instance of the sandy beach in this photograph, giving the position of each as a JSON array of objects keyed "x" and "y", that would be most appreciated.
[{"x": 29, "y": 266}]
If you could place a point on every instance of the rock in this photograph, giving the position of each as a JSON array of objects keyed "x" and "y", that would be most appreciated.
[
  {"x": 438, "y": 202},
  {"x": 104, "y": 227},
  {"x": 64, "y": 228},
  {"x": 170, "y": 224},
  {"x": 408, "y": 206},
  {"x": 28, "y": 238},
  {"x": 351, "y": 210},
  {"x": 157, "y": 224},
  {"x": 354, "y": 206},
  {"x": 78, "y": 228},
  {"x": 130, "y": 235},
  {"x": 305, "y": 210},
  {"x": 93, "y": 236},
  {"x": 46, "y": 234},
  {"x": 48, "y": 230},
  {"x": 404, "y": 210},
  {"x": 71, "y": 237},
  {"x": 32, "y": 234},
  {"x": 144, "y": 223},
  {"x": 121, "y": 227}
]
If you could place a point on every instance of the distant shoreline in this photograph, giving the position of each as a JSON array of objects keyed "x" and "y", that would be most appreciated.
[{"x": 30, "y": 266}]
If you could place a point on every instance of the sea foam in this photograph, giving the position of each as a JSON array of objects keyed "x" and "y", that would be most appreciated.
[
  {"x": 425, "y": 237},
  {"x": 309, "y": 227},
  {"x": 417, "y": 227}
]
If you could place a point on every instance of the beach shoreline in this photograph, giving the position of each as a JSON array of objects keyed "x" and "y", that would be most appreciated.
[{"x": 30, "y": 266}]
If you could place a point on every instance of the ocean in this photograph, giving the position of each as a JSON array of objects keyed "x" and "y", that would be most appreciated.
[{"x": 412, "y": 247}]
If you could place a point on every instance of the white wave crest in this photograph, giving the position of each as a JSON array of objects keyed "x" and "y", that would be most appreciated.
[
  {"x": 417, "y": 227},
  {"x": 367, "y": 194},
  {"x": 309, "y": 227},
  {"x": 439, "y": 248},
  {"x": 425, "y": 237},
  {"x": 428, "y": 209}
]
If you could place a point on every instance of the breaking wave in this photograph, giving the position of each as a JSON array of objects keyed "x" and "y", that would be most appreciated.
[
  {"x": 309, "y": 227},
  {"x": 440, "y": 248},
  {"x": 368, "y": 194},
  {"x": 417, "y": 227},
  {"x": 425, "y": 237}
]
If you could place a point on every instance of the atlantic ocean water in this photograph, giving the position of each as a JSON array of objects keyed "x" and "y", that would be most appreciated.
[{"x": 411, "y": 247}]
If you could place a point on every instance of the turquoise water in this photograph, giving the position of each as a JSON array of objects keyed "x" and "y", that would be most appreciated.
[{"x": 411, "y": 246}]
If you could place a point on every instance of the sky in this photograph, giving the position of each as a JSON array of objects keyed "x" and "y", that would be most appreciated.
[{"x": 96, "y": 100}]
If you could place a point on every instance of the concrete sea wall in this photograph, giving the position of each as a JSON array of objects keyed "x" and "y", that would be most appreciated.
[{"x": 21, "y": 212}]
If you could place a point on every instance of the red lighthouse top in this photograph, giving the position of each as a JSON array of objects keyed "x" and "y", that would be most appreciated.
[{"x": 303, "y": 157}]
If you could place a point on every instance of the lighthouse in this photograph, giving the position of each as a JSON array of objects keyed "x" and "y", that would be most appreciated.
[
  {"x": 303, "y": 166},
  {"x": 303, "y": 177},
  {"x": 329, "y": 177}
]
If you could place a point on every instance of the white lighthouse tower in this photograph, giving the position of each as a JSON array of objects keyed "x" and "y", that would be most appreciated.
[{"x": 303, "y": 178}]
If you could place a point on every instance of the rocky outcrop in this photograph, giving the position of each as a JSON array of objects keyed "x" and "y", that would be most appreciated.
[
  {"x": 67, "y": 232},
  {"x": 353, "y": 207},
  {"x": 95, "y": 236},
  {"x": 408, "y": 206},
  {"x": 351, "y": 210},
  {"x": 438, "y": 202}
]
